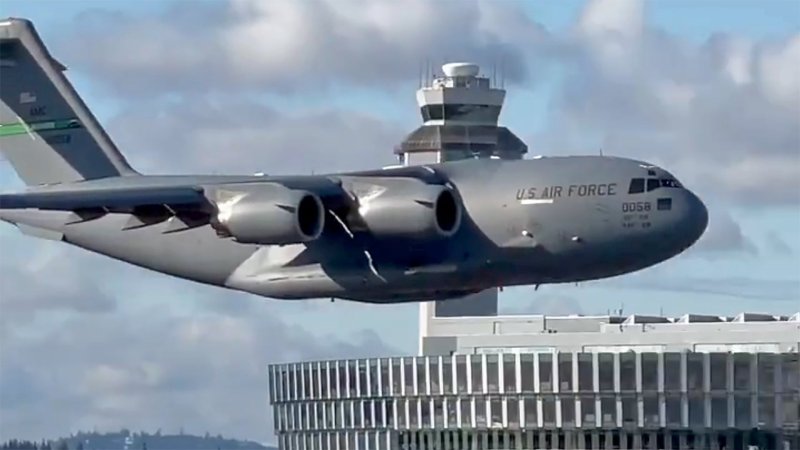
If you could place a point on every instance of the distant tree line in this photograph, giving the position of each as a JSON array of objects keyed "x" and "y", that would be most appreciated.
[
  {"x": 134, "y": 441},
  {"x": 15, "y": 444}
]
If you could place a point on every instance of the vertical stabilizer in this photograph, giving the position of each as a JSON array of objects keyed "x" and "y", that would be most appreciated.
[{"x": 46, "y": 131}]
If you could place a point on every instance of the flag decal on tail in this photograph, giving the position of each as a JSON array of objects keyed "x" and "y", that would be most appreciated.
[{"x": 26, "y": 97}]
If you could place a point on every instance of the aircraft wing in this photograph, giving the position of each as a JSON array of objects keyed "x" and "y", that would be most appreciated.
[
  {"x": 122, "y": 200},
  {"x": 274, "y": 211}
]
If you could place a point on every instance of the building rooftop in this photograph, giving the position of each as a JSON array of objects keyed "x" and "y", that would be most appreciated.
[{"x": 740, "y": 332}]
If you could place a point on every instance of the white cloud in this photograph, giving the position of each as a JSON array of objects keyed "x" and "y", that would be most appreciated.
[
  {"x": 230, "y": 136},
  {"x": 723, "y": 237},
  {"x": 623, "y": 18},
  {"x": 156, "y": 368},
  {"x": 722, "y": 115},
  {"x": 288, "y": 46},
  {"x": 778, "y": 69}
]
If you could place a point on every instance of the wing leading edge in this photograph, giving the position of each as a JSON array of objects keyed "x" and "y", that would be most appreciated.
[{"x": 120, "y": 200}]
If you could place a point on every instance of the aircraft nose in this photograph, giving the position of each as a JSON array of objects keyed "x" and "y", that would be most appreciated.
[{"x": 696, "y": 217}]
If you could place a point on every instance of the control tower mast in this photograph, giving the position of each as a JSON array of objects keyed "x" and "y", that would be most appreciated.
[{"x": 460, "y": 111}]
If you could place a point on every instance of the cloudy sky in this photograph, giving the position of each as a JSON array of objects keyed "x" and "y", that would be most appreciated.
[{"x": 710, "y": 90}]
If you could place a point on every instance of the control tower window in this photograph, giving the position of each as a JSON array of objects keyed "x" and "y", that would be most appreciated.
[
  {"x": 653, "y": 184},
  {"x": 637, "y": 186},
  {"x": 469, "y": 113}
]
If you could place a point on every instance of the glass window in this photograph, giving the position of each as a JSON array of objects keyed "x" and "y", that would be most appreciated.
[
  {"x": 585, "y": 375},
  {"x": 549, "y": 410},
  {"x": 742, "y": 412},
  {"x": 719, "y": 371},
  {"x": 606, "y": 369},
  {"x": 630, "y": 411},
  {"x": 472, "y": 113},
  {"x": 433, "y": 364},
  {"x": 791, "y": 411},
  {"x": 432, "y": 112},
  {"x": 766, "y": 411},
  {"x": 697, "y": 418},
  {"x": 466, "y": 412},
  {"x": 674, "y": 413},
  {"x": 438, "y": 413},
  {"x": 387, "y": 413},
  {"x": 422, "y": 376},
  {"x": 496, "y": 412},
  {"x": 672, "y": 371},
  {"x": 766, "y": 373},
  {"x": 651, "y": 411},
  {"x": 413, "y": 416},
  {"x": 352, "y": 378},
  {"x": 567, "y": 410},
  {"x": 526, "y": 372},
  {"x": 670, "y": 183},
  {"x": 530, "y": 412},
  {"x": 791, "y": 372},
  {"x": 332, "y": 380},
  {"x": 649, "y": 372},
  {"x": 510, "y": 373},
  {"x": 305, "y": 373},
  {"x": 290, "y": 375},
  {"x": 545, "y": 372},
  {"x": 492, "y": 373},
  {"x": 588, "y": 412},
  {"x": 608, "y": 408},
  {"x": 461, "y": 373},
  {"x": 385, "y": 366},
  {"x": 452, "y": 417},
  {"x": 480, "y": 412},
  {"x": 399, "y": 412},
  {"x": 664, "y": 204},
  {"x": 694, "y": 371},
  {"x": 565, "y": 372},
  {"x": 719, "y": 412},
  {"x": 637, "y": 186},
  {"x": 653, "y": 184},
  {"x": 447, "y": 374},
  {"x": 627, "y": 371},
  {"x": 396, "y": 376},
  {"x": 512, "y": 412},
  {"x": 477, "y": 373},
  {"x": 408, "y": 373},
  {"x": 359, "y": 414},
  {"x": 741, "y": 371}
]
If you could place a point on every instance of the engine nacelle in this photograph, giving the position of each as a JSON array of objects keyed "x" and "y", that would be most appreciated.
[
  {"x": 269, "y": 215},
  {"x": 408, "y": 209}
]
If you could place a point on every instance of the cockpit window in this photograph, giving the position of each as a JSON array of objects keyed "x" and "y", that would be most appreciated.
[
  {"x": 637, "y": 186},
  {"x": 670, "y": 183},
  {"x": 652, "y": 184}
]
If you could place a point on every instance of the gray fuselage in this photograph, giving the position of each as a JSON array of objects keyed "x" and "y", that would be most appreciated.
[{"x": 548, "y": 220}]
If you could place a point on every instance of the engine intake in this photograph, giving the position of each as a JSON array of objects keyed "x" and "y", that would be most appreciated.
[
  {"x": 270, "y": 215},
  {"x": 407, "y": 208}
]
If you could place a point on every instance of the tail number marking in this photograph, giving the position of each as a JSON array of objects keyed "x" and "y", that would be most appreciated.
[{"x": 636, "y": 206}]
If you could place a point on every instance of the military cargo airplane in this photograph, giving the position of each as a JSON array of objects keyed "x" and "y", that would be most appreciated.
[{"x": 388, "y": 235}]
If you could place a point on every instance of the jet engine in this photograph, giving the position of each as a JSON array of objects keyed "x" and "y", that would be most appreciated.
[
  {"x": 407, "y": 209},
  {"x": 269, "y": 215}
]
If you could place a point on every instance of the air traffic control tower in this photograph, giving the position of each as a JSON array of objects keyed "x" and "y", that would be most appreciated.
[{"x": 460, "y": 110}]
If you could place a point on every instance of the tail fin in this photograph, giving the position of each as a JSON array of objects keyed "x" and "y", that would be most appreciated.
[{"x": 46, "y": 131}]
